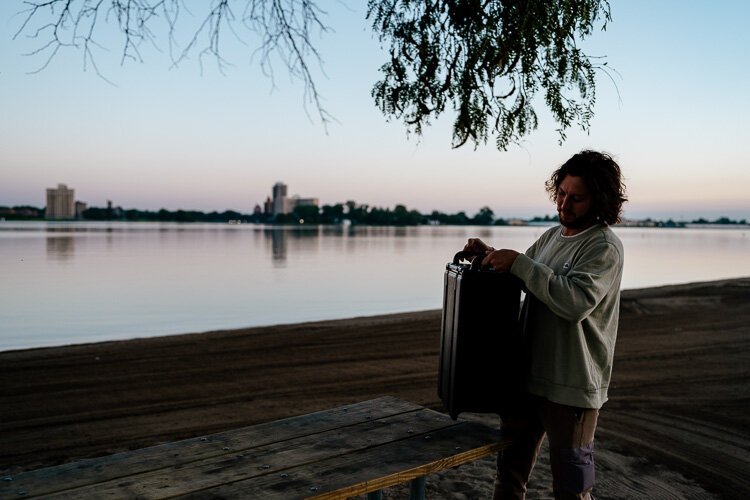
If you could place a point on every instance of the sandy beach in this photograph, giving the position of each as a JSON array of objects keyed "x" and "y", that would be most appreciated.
[{"x": 677, "y": 424}]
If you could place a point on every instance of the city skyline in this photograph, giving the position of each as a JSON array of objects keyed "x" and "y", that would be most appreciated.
[
  {"x": 163, "y": 138},
  {"x": 281, "y": 204}
]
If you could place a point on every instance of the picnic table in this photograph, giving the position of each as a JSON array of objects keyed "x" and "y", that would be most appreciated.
[{"x": 332, "y": 454}]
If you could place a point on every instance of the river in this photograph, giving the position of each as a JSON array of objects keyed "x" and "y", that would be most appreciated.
[{"x": 73, "y": 282}]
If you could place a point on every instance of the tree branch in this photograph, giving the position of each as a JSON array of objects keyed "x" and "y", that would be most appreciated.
[{"x": 285, "y": 28}]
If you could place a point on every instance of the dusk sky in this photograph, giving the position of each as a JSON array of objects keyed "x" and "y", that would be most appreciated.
[{"x": 199, "y": 139}]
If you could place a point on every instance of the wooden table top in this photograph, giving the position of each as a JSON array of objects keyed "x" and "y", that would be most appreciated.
[{"x": 336, "y": 453}]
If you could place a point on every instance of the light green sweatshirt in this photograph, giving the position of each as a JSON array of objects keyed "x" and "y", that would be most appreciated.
[{"x": 570, "y": 314}]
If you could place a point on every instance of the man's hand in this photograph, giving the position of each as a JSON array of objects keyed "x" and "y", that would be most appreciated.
[
  {"x": 476, "y": 245},
  {"x": 500, "y": 260}
]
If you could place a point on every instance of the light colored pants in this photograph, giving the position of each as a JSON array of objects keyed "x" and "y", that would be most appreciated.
[{"x": 570, "y": 432}]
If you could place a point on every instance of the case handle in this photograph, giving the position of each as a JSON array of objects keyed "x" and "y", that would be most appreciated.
[{"x": 475, "y": 258}]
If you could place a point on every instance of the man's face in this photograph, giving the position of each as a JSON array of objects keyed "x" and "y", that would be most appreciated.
[{"x": 574, "y": 204}]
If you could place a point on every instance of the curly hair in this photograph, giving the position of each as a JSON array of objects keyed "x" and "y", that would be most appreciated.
[{"x": 603, "y": 179}]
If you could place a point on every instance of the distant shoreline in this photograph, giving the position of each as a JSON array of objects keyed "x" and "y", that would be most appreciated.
[{"x": 384, "y": 217}]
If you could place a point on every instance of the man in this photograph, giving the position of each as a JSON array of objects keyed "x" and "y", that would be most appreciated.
[{"x": 571, "y": 275}]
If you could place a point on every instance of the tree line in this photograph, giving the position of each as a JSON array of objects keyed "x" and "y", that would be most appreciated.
[
  {"x": 337, "y": 213},
  {"x": 352, "y": 212}
]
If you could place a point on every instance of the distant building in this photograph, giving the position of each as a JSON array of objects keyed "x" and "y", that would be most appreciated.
[
  {"x": 60, "y": 203},
  {"x": 80, "y": 208},
  {"x": 282, "y": 204},
  {"x": 296, "y": 201},
  {"x": 114, "y": 212}
]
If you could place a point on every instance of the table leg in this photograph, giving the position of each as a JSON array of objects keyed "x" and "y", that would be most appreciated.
[{"x": 417, "y": 488}]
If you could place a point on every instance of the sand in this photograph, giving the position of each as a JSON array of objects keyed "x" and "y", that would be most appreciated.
[{"x": 676, "y": 425}]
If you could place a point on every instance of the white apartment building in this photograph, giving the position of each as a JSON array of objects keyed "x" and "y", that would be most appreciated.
[{"x": 61, "y": 203}]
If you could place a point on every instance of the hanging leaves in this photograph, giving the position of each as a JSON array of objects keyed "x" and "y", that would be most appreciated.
[{"x": 486, "y": 61}]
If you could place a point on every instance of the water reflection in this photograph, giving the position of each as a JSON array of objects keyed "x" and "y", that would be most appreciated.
[
  {"x": 304, "y": 240},
  {"x": 279, "y": 246},
  {"x": 60, "y": 248},
  {"x": 308, "y": 239}
]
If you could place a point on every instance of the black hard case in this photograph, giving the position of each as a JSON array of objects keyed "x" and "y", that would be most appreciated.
[{"x": 480, "y": 338}]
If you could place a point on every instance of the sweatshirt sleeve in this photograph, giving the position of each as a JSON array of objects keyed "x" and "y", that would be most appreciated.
[{"x": 574, "y": 293}]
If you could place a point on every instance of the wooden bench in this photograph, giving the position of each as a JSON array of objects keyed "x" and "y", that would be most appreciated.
[{"x": 350, "y": 450}]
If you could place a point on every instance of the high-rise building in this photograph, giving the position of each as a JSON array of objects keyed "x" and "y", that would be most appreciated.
[
  {"x": 280, "y": 205},
  {"x": 61, "y": 203},
  {"x": 283, "y": 204}
]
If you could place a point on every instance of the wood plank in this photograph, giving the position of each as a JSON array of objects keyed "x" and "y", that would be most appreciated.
[
  {"x": 225, "y": 446},
  {"x": 370, "y": 469},
  {"x": 261, "y": 460}
]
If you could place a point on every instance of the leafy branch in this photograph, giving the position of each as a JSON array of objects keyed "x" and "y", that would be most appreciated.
[{"x": 486, "y": 60}]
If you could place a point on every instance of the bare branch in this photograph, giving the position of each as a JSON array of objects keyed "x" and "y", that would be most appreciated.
[{"x": 285, "y": 28}]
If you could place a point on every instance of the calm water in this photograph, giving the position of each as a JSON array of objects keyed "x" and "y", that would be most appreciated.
[{"x": 68, "y": 283}]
